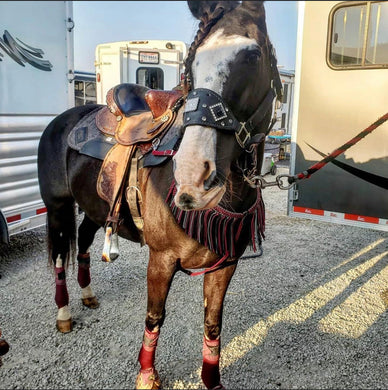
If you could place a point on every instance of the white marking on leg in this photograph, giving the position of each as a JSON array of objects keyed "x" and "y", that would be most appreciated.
[
  {"x": 59, "y": 262},
  {"x": 64, "y": 313},
  {"x": 87, "y": 292}
]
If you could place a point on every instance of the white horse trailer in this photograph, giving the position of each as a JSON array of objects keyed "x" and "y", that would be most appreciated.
[
  {"x": 36, "y": 70},
  {"x": 341, "y": 87},
  {"x": 157, "y": 64}
]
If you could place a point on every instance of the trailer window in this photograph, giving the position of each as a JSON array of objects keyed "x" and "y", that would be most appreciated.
[
  {"x": 85, "y": 92},
  {"x": 358, "y": 36},
  {"x": 150, "y": 77}
]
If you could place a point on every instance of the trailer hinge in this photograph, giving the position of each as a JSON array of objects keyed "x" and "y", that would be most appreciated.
[
  {"x": 70, "y": 76},
  {"x": 70, "y": 24}
]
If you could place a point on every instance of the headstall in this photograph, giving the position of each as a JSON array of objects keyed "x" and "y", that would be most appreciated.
[{"x": 206, "y": 108}]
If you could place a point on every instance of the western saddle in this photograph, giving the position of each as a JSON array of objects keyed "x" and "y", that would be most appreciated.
[{"x": 134, "y": 116}]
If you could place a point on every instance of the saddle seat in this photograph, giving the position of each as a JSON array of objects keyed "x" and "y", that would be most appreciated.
[{"x": 135, "y": 113}]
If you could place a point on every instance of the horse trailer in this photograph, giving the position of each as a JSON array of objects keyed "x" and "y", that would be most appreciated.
[
  {"x": 341, "y": 88},
  {"x": 36, "y": 72},
  {"x": 157, "y": 64}
]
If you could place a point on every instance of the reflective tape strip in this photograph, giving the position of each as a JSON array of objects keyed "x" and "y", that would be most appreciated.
[
  {"x": 341, "y": 216},
  {"x": 307, "y": 210},
  {"x": 360, "y": 218},
  {"x": 14, "y": 218},
  {"x": 41, "y": 210},
  {"x": 32, "y": 213}
]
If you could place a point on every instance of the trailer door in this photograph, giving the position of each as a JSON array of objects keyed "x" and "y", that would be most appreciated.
[
  {"x": 341, "y": 87},
  {"x": 107, "y": 70}
]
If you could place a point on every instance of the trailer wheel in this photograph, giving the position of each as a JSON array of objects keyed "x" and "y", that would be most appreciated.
[{"x": 273, "y": 169}]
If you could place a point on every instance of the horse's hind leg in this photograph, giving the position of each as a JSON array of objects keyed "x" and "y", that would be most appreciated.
[
  {"x": 214, "y": 290},
  {"x": 86, "y": 233},
  {"x": 159, "y": 276},
  {"x": 61, "y": 234}
]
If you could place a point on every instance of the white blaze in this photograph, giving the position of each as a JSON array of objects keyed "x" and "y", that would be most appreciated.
[
  {"x": 210, "y": 70},
  {"x": 211, "y": 64}
]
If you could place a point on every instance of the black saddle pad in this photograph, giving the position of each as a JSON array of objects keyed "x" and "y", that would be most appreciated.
[{"x": 87, "y": 139}]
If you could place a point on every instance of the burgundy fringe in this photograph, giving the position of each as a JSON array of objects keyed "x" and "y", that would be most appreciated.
[{"x": 219, "y": 229}]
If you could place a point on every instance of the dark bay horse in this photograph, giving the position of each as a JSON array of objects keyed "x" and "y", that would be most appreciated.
[{"x": 199, "y": 211}]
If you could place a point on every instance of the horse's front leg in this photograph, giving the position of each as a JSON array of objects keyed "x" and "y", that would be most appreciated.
[
  {"x": 161, "y": 269},
  {"x": 214, "y": 289}
]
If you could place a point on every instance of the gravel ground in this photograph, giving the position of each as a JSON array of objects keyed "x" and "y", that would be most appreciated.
[{"x": 308, "y": 314}]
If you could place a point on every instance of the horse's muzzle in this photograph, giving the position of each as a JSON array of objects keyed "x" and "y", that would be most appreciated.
[
  {"x": 186, "y": 201},
  {"x": 191, "y": 198}
]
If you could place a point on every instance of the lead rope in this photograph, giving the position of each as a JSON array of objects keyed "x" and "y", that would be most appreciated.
[{"x": 258, "y": 181}]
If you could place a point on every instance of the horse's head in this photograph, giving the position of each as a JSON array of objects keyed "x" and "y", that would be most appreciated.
[{"x": 230, "y": 71}]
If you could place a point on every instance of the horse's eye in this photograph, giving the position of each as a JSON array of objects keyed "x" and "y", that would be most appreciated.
[{"x": 253, "y": 57}]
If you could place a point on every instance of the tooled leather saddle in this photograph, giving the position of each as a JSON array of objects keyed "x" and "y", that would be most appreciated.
[
  {"x": 135, "y": 116},
  {"x": 133, "y": 125}
]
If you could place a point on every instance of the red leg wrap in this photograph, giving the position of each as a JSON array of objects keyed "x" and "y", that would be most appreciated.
[
  {"x": 83, "y": 270},
  {"x": 148, "y": 349},
  {"x": 61, "y": 294},
  {"x": 211, "y": 363}
]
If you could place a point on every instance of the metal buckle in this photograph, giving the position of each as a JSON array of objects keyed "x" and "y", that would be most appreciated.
[
  {"x": 246, "y": 137},
  {"x": 155, "y": 143}
]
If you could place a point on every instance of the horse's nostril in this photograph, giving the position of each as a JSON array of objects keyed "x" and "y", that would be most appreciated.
[
  {"x": 211, "y": 181},
  {"x": 186, "y": 200}
]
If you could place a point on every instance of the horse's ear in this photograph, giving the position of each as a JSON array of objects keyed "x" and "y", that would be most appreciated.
[
  {"x": 206, "y": 10},
  {"x": 257, "y": 11}
]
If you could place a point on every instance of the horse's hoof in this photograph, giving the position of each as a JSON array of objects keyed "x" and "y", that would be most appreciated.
[
  {"x": 148, "y": 379},
  {"x": 91, "y": 303},
  {"x": 65, "y": 326},
  {"x": 219, "y": 387},
  {"x": 4, "y": 347},
  {"x": 113, "y": 255}
]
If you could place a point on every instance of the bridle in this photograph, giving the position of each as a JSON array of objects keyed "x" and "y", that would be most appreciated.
[{"x": 207, "y": 108}]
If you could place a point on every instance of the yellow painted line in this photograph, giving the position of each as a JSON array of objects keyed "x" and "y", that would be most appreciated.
[
  {"x": 297, "y": 312},
  {"x": 360, "y": 310}
]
